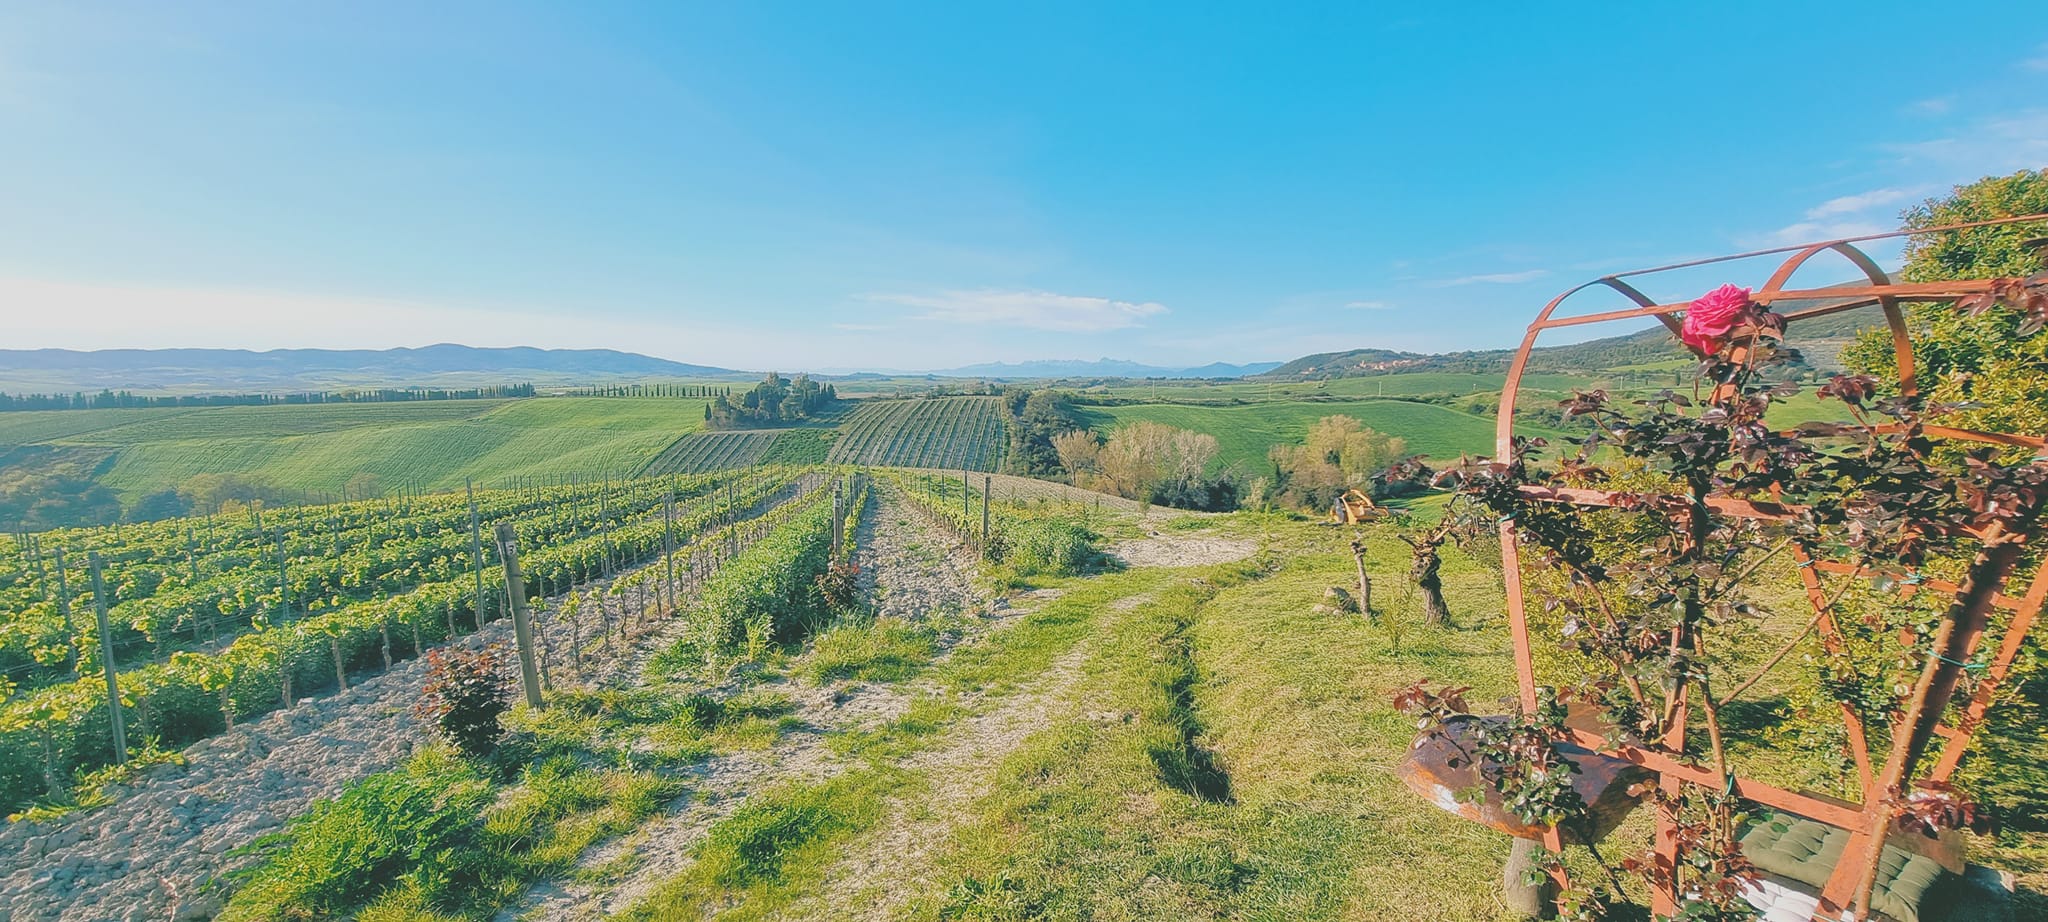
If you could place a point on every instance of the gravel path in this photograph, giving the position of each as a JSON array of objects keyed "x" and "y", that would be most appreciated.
[
  {"x": 909, "y": 570},
  {"x": 152, "y": 853},
  {"x": 1163, "y": 550}
]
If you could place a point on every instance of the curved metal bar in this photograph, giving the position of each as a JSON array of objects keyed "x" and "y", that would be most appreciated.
[{"x": 1902, "y": 343}]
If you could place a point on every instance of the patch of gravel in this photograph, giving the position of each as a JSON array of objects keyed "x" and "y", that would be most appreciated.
[
  {"x": 907, "y": 571},
  {"x": 154, "y": 852},
  {"x": 1164, "y": 550}
]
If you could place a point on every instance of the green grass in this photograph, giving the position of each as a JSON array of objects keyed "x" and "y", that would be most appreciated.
[
  {"x": 1246, "y": 433},
  {"x": 319, "y": 448},
  {"x": 1098, "y": 819},
  {"x": 873, "y": 650}
]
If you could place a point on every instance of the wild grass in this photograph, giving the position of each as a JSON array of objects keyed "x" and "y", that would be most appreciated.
[
  {"x": 1123, "y": 812},
  {"x": 886, "y": 649}
]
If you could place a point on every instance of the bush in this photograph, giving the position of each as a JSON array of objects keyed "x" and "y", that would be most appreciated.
[
  {"x": 465, "y": 695},
  {"x": 1050, "y": 547},
  {"x": 770, "y": 592}
]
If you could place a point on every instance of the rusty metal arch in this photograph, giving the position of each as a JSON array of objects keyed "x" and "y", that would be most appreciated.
[{"x": 1870, "y": 821}]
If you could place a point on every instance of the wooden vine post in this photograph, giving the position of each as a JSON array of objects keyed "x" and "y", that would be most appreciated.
[
  {"x": 99, "y": 610},
  {"x": 476, "y": 555},
  {"x": 987, "y": 480},
  {"x": 64, "y": 608},
  {"x": 522, "y": 620},
  {"x": 668, "y": 552},
  {"x": 1364, "y": 581}
]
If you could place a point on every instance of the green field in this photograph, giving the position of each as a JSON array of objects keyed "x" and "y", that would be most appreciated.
[
  {"x": 1246, "y": 433},
  {"x": 1395, "y": 385},
  {"x": 318, "y": 448}
]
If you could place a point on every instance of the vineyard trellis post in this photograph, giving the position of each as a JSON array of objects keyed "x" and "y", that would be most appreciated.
[
  {"x": 476, "y": 553},
  {"x": 668, "y": 546},
  {"x": 522, "y": 626},
  {"x": 284, "y": 588},
  {"x": 987, "y": 480},
  {"x": 99, "y": 610},
  {"x": 64, "y": 608}
]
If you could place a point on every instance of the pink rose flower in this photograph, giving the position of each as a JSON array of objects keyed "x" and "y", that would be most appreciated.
[{"x": 1710, "y": 318}]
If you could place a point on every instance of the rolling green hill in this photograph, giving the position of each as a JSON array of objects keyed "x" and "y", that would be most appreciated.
[
  {"x": 318, "y": 448},
  {"x": 1246, "y": 433}
]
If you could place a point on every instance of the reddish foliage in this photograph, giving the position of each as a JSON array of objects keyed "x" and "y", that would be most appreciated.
[{"x": 464, "y": 696}]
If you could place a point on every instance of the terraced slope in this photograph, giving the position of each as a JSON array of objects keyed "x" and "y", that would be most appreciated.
[
  {"x": 699, "y": 452},
  {"x": 943, "y": 432}
]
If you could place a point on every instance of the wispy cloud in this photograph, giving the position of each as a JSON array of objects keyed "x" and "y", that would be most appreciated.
[
  {"x": 1036, "y": 310},
  {"x": 1860, "y": 202},
  {"x": 1928, "y": 108},
  {"x": 1996, "y": 144},
  {"x": 1491, "y": 278},
  {"x": 1858, "y": 215},
  {"x": 2039, "y": 62},
  {"x": 1369, "y": 305},
  {"x": 861, "y": 327}
]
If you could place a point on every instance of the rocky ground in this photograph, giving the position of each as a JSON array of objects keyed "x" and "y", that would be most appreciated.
[{"x": 153, "y": 852}]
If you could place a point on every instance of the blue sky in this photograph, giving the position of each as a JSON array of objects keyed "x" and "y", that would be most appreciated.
[{"x": 924, "y": 185}]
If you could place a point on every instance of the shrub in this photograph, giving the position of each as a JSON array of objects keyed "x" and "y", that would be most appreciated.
[
  {"x": 465, "y": 695},
  {"x": 1050, "y": 547}
]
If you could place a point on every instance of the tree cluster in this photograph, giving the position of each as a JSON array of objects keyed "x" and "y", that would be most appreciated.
[
  {"x": 107, "y": 399},
  {"x": 1036, "y": 418},
  {"x": 773, "y": 401},
  {"x": 1149, "y": 462},
  {"x": 1338, "y": 454}
]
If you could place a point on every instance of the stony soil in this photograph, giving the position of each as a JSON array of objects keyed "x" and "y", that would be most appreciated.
[
  {"x": 153, "y": 853},
  {"x": 1165, "y": 550}
]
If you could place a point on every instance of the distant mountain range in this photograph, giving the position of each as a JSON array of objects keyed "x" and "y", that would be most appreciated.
[
  {"x": 227, "y": 370},
  {"x": 1819, "y": 339},
  {"x": 1102, "y": 368}
]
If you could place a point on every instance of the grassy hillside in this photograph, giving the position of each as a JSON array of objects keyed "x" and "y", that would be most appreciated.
[
  {"x": 1245, "y": 433},
  {"x": 317, "y": 449}
]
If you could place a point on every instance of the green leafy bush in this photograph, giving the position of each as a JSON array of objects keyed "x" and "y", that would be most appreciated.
[
  {"x": 770, "y": 592},
  {"x": 1050, "y": 547}
]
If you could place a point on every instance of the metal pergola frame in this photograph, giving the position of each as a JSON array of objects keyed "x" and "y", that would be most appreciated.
[{"x": 1964, "y": 628}]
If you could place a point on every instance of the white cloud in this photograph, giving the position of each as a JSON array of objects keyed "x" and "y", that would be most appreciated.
[
  {"x": 861, "y": 327},
  {"x": 1811, "y": 231},
  {"x": 1491, "y": 278},
  {"x": 1860, "y": 202},
  {"x": 1036, "y": 310},
  {"x": 1858, "y": 215},
  {"x": 1369, "y": 305},
  {"x": 1997, "y": 144},
  {"x": 1928, "y": 108},
  {"x": 2039, "y": 62}
]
